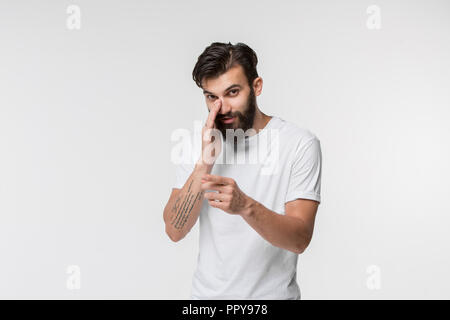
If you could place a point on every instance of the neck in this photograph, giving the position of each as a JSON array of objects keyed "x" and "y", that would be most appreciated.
[{"x": 261, "y": 120}]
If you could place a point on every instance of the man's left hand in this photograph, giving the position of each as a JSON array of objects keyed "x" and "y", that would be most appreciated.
[{"x": 229, "y": 197}]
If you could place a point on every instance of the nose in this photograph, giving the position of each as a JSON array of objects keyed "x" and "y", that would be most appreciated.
[{"x": 225, "y": 109}]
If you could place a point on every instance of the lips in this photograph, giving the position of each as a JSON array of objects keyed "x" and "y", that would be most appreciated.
[{"x": 227, "y": 119}]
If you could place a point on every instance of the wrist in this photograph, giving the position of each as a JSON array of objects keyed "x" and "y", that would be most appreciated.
[
  {"x": 249, "y": 207},
  {"x": 202, "y": 167}
]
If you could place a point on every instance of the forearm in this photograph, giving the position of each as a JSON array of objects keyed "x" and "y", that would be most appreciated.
[
  {"x": 283, "y": 231},
  {"x": 181, "y": 214}
]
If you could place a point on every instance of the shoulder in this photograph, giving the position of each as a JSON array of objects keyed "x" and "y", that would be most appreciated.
[
  {"x": 302, "y": 146},
  {"x": 295, "y": 135}
]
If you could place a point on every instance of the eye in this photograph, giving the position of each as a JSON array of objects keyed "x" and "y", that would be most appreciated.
[
  {"x": 235, "y": 92},
  {"x": 210, "y": 97}
]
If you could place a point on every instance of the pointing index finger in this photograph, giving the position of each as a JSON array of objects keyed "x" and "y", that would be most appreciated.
[
  {"x": 212, "y": 115},
  {"x": 217, "y": 179}
]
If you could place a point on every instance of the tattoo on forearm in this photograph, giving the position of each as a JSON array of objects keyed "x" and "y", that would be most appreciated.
[
  {"x": 178, "y": 211},
  {"x": 186, "y": 214},
  {"x": 182, "y": 210},
  {"x": 176, "y": 206}
]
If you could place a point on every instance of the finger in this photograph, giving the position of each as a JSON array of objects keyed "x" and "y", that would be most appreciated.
[
  {"x": 216, "y": 196},
  {"x": 212, "y": 115},
  {"x": 209, "y": 185},
  {"x": 217, "y": 204},
  {"x": 217, "y": 179}
]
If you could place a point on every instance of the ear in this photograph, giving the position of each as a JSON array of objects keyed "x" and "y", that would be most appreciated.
[{"x": 257, "y": 86}]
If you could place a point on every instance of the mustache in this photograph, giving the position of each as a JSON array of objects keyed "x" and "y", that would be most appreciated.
[{"x": 225, "y": 116}]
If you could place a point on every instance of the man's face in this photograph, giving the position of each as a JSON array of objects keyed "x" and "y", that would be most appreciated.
[{"x": 237, "y": 97}]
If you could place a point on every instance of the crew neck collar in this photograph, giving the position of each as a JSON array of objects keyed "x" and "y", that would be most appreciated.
[
  {"x": 251, "y": 139},
  {"x": 268, "y": 125}
]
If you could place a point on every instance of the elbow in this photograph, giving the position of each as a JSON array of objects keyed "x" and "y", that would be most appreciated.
[
  {"x": 174, "y": 236},
  {"x": 302, "y": 242},
  {"x": 300, "y": 248}
]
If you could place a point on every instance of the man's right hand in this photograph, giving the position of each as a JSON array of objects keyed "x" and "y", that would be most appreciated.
[{"x": 180, "y": 219}]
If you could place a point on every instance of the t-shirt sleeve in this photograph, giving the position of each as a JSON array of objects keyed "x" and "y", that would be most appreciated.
[
  {"x": 306, "y": 171},
  {"x": 182, "y": 173}
]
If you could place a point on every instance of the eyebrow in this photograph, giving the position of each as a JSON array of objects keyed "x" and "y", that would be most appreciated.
[{"x": 229, "y": 88}]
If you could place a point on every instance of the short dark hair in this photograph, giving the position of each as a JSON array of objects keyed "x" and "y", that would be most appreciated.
[{"x": 219, "y": 57}]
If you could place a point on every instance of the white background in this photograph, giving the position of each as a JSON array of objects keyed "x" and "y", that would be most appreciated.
[{"x": 86, "y": 118}]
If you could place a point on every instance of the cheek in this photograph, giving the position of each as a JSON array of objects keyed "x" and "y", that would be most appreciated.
[{"x": 239, "y": 104}]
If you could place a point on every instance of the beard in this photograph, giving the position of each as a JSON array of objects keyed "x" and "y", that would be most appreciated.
[{"x": 243, "y": 121}]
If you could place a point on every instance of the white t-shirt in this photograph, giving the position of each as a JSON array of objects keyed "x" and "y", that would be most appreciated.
[{"x": 234, "y": 261}]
